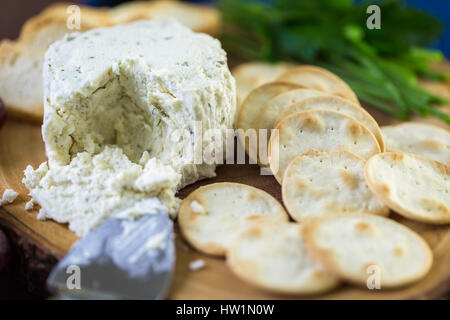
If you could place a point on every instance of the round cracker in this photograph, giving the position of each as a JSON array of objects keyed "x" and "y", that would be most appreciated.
[
  {"x": 413, "y": 186},
  {"x": 319, "y": 183},
  {"x": 259, "y": 69},
  {"x": 250, "y": 75},
  {"x": 271, "y": 110},
  {"x": 419, "y": 138},
  {"x": 251, "y": 107},
  {"x": 273, "y": 107},
  {"x": 274, "y": 257},
  {"x": 211, "y": 216},
  {"x": 322, "y": 130},
  {"x": 320, "y": 79},
  {"x": 363, "y": 247},
  {"x": 337, "y": 104}
]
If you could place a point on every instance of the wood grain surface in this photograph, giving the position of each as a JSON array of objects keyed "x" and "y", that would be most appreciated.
[{"x": 42, "y": 243}]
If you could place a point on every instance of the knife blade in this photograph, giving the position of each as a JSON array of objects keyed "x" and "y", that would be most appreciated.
[{"x": 123, "y": 258}]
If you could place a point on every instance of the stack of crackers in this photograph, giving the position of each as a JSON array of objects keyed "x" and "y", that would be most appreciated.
[
  {"x": 341, "y": 177},
  {"x": 21, "y": 60}
]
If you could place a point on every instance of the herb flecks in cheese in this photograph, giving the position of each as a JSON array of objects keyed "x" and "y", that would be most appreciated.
[{"x": 113, "y": 98}]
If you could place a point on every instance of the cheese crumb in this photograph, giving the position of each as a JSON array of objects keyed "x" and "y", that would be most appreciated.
[
  {"x": 8, "y": 197},
  {"x": 197, "y": 207},
  {"x": 42, "y": 215},
  {"x": 29, "y": 205},
  {"x": 197, "y": 264}
]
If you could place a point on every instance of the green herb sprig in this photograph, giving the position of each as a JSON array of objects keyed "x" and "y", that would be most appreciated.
[{"x": 381, "y": 65}]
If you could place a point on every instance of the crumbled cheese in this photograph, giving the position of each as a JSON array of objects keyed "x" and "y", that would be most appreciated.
[
  {"x": 92, "y": 188},
  {"x": 155, "y": 242},
  {"x": 197, "y": 264},
  {"x": 8, "y": 197},
  {"x": 110, "y": 120},
  {"x": 42, "y": 215},
  {"x": 197, "y": 207},
  {"x": 29, "y": 205}
]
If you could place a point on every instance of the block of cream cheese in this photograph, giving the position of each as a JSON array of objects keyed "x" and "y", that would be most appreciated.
[{"x": 121, "y": 108}]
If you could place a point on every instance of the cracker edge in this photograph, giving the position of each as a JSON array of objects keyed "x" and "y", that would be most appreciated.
[
  {"x": 392, "y": 204},
  {"x": 208, "y": 249},
  {"x": 254, "y": 281},
  {"x": 320, "y": 255}
]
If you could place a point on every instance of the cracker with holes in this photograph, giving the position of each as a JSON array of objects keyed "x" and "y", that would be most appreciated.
[
  {"x": 253, "y": 74},
  {"x": 322, "y": 130},
  {"x": 273, "y": 107},
  {"x": 336, "y": 104},
  {"x": 274, "y": 257},
  {"x": 320, "y": 79},
  {"x": 364, "y": 248},
  {"x": 269, "y": 112},
  {"x": 252, "y": 106},
  {"x": 318, "y": 183},
  {"x": 418, "y": 138},
  {"x": 211, "y": 216},
  {"x": 413, "y": 186}
]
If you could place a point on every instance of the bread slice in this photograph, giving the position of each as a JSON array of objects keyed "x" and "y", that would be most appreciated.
[
  {"x": 411, "y": 185},
  {"x": 21, "y": 60},
  {"x": 212, "y": 216},
  {"x": 318, "y": 183},
  {"x": 366, "y": 249},
  {"x": 274, "y": 257}
]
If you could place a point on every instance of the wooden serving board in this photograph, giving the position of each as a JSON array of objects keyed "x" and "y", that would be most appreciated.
[{"x": 41, "y": 244}]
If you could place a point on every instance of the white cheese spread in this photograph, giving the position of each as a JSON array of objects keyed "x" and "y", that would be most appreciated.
[{"x": 113, "y": 99}]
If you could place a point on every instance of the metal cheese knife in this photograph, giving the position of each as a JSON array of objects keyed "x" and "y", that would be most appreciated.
[{"x": 120, "y": 259}]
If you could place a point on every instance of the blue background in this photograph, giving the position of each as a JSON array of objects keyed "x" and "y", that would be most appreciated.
[{"x": 441, "y": 10}]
